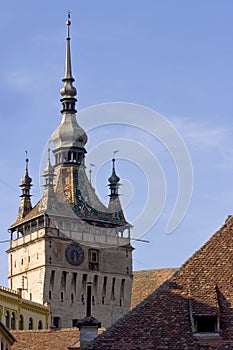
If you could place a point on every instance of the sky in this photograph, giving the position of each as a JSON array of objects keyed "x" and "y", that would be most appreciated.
[{"x": 171, "y": 57}]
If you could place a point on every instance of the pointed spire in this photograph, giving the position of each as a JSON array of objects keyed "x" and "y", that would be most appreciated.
[
  {"x": 26, "y": 184},
  {"x": 68, "y": 91},
  {"x": 69, "y": 138},
  {"x": 114, "y": 205},
  {"x": 49, "y": 173},
  {"x": 26, "y": 180},
  {"x": 114, "y": 181}
]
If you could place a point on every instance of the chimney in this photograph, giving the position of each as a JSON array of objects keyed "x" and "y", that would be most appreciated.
[{"x": 88, "y": 326}]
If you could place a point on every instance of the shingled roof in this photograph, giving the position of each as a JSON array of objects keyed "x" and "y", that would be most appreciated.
[
  {"x": 146, "y": 281},
  {"x": 46, "y": 339},
  {"x": 165, "y": 320}
]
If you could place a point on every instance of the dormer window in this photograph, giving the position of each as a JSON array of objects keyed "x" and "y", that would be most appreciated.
[{"x": 206, "y": 324}]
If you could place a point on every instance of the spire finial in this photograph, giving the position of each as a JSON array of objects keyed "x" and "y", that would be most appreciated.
[
  {"x": 68, "y": 23},
  {"x": 26, "y": 160}
]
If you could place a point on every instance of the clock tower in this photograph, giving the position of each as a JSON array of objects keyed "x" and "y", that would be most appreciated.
[{"x": 69, "y": 238}]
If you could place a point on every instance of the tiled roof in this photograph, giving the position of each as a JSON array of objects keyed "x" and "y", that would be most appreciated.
[
  {"x": 146, "y": 281},
  {"x": 202, "y": 286},
  {"x": 57, "y": 339},
  {"x": 45, "y": 339}
]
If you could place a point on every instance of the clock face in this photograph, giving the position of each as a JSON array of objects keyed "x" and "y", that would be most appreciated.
[{"x": 74, "y": 254}]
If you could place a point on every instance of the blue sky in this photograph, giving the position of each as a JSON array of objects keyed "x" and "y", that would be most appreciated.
[{"x": 174, "y": 57}]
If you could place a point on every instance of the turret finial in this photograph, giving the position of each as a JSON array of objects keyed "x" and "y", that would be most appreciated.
[{"x": 26, "y": 160}]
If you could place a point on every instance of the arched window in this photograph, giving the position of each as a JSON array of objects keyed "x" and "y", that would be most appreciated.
[
  {"x": 12, "y": 320},
  {"x": 7, "y": 319},
  {"x": 30, "y": 323},
  {"x": 40, "y": 325},
  {"x": 21, "y": 322}
]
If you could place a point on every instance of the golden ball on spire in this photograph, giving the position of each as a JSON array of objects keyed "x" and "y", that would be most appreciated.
[{"x": 68, "y": 23}]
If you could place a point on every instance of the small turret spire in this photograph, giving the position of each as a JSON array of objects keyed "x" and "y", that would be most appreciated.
[
  {"x": 26, "y": 184},
  {"x": 114, "y": 205},
  {"x": 68, "y": 91},
  {"x": 26, "y": 180},
  {"x": 114, "y": 181},
  {"x": 49, "y": 173}
]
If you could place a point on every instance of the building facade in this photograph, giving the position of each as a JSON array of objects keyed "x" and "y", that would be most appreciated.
[
  {"x": 17, "y": 313},
  {"x": 69, "y": 238}
]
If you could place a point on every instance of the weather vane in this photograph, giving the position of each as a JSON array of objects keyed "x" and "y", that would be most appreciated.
[{"x": 114, "y": 152}]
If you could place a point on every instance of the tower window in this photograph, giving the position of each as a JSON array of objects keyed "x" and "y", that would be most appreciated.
[
  {"x": 74, "y": 282},
  {"x": 62, "y": 296},
  {"x": 95, "y": 284},
  {"x": 122, "y": 291},
  {"x": 72, "y": 297},
  {"x": 93, "y": 257},
  {"x": 84, "y": 280},
  {"x": 21, "y": 261},
  {"x": 52, "y": 277},
  {"x": 63, "y": 280},
  {"x": 113, "y": 288},
  {"x": 104, "y": 288},
  {"x": 40, "y": 325},
  {"x": 50, "y": 260},
  {"x": 50, "y": 295}
]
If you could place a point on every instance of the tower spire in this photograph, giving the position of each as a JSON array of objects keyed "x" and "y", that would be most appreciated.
[
  {"x": 69, "y": 138},
  {"x": 68, "y": 91},
  {"x": 25, "y": 204},
  {"x": 49, "y": 173},
  {"x": 114, "y": 182}
]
